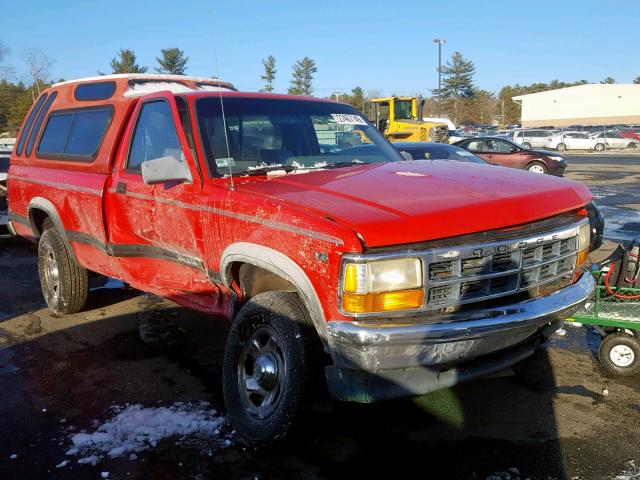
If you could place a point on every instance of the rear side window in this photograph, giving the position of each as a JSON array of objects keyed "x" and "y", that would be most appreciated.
[
  {"x": 28, "y": 122},
  {"x": 74, "y": 135},
  {"x": 95, "y": 91},
  {"x": 36, "y": 126}
]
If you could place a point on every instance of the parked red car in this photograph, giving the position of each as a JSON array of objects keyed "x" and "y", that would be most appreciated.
[
  {"x": 630, "y": 133},
  {"x": 509, "y": 154},
  {"x": 392, "y": 277}
]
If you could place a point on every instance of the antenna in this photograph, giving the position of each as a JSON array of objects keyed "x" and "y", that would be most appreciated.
[{"x": 216, "y": 62}]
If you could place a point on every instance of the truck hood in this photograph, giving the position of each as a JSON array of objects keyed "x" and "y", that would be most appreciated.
[{"x": 413, "y": 201}]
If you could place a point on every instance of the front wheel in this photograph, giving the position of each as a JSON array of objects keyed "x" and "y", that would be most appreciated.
[
  {"x": 65, "y": 284},
  {"x": 599, "y": 147},
  {"x": 631, "y": 145},
  {"x": 527, "y": 145},
  {"x": 536, "y": 167},
  {"x": 619, "y": 354},
  {"x": 561, "y": 147},
  {"x": 267, "y": 365}
]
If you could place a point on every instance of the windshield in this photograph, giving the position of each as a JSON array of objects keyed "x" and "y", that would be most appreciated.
[
  {"x": 263, "y": 134},
  {"x": 403, "y": 110}
]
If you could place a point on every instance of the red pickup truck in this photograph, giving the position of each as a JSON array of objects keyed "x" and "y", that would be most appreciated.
[{"x": 296, "y": 220}]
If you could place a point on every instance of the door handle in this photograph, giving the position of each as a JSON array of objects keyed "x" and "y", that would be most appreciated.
[{"x": 121, "y": 188}]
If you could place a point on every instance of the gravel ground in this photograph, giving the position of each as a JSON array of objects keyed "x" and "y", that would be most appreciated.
[{"x": 557, "y": 416}]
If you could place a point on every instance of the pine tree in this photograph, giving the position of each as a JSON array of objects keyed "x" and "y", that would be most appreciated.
[
  {"x": 636, "y": 80},
  {"x": 608, "y": 80},
  {"x": 125, "y": 62},
  {"x": 302, "y": 77},
  {"x": 172, "y": 61},
  {"x": 269, "y": 74},
  {"x": 457, "y": 79}
]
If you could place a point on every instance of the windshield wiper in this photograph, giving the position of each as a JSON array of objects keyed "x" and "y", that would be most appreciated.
[
  {"x": 263, "y": 170},
  {"x": 344, "y": 164}
]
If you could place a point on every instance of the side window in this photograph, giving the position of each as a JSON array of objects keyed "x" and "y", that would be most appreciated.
[
  {"x": 475, "y": 146},
  {"x": 154, "y": 136},
  {"x": 28, "y": 122},
  {"x": 498, "y": 146},
  {"x": 74, "y": 135},
  {"x": 86, "y": 132},
  {"x": 54, "y": 137},
  {"x": 36, "y": 126}
]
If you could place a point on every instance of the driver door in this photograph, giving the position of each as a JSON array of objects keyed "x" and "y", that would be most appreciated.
[
  {"x": 155, "y": 230},
  {"x": 503, "y": 153}
]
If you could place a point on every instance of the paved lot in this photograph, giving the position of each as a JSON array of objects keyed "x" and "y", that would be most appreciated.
[{"x": 59, "y": 376}]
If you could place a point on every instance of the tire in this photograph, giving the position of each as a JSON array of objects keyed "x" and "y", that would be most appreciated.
[
  {"x": 619, "y": 354},
  {"x": 561, "y": 147},
  {"x": 537, "y": 167},
  {"x": 599, "y": 147},
  {"x": 631, "y": 145},
  {"x": 64, "y": 283},
  {"x": 526, "y": 145},
  {"x": 268, "y": 366}
]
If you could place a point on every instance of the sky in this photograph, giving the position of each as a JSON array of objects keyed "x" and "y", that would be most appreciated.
[{"x": 385, "y": 47}]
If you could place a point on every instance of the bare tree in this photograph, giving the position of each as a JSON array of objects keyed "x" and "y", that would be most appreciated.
[
  {"x": 39, "y": 66},
  {"x": 5, "y": 70}
]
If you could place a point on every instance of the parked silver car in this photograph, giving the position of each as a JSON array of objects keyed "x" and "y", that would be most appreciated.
[{"x": 531, "y": 138}]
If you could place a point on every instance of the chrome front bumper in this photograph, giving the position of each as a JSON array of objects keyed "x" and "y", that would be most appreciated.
[{"x": 451, "y": 339}]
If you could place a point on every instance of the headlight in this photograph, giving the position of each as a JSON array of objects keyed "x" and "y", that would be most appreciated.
[
  {"x": 557, "y": 158},
  {"x": 584, "y": 240},
  {"x": 382, "y": 286}
]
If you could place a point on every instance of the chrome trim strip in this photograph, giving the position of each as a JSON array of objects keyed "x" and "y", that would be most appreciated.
[
  {"x": 66, "y": 186},
  {"x": 240, "y": 216}
]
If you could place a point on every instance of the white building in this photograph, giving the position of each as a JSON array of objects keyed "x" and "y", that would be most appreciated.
[{"x": 590, "y": 104}]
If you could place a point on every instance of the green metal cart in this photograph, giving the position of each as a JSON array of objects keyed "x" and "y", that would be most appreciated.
[{"x": 615, "y": 314}]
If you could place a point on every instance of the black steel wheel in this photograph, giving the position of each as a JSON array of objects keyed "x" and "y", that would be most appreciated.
[{"x": 267, "y": 366}]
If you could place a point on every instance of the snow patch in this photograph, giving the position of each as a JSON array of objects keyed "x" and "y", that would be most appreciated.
[
  {"x": 135, "y": 428},
  {"x": 631, "y": 472},
  {"x": 140, "y": 89}
]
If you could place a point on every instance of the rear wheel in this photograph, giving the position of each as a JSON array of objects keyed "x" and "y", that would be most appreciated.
[
  {"x": 267, "y": 366},
  {"x": 537, "y": 167},
  {"x": 599, "y": 147},
  {"x": 631, "y": 145},
  {"x": 619, "y": 354},
  {"x": 65, "y": 284},
  {"x": 561, "y": 147}
]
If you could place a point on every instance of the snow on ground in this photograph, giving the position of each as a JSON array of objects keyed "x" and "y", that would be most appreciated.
[
  {"x": 135, "y": 428},
  {"x": 631, "y": 472}
]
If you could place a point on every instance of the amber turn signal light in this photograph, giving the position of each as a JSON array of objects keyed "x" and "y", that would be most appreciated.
[{"x": 382, "y": 301}]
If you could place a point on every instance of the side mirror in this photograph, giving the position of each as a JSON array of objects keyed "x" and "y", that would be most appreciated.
[
  {"x": 513, "y": 149},
  {"x": 165, "y": 169},
  {"x": 406, "y": 155}
]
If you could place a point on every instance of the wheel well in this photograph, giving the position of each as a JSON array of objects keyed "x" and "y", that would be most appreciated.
[
  {"x": 37, "y": 218},
  {"x": 253, "y": 280}
]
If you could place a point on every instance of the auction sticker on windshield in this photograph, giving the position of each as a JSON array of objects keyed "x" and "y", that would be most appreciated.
[{"x": 347, "y": 119}]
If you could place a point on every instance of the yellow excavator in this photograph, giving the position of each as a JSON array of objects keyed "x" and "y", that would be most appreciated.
[{"x": 400, "y": 120}]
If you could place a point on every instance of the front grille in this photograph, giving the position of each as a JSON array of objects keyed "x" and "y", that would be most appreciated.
[
  {"x": 488, "y": 270},
  {"x": 440, "y": 134}
]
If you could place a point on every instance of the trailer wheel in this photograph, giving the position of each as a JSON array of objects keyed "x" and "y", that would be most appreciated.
[
  {"x": 267, "y": 366},
  {"x": 619, "y": 354},
  {"x": 65, "y": 284}
]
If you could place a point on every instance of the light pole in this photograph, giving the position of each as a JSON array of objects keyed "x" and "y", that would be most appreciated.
[{"x": 440, "y": 42}]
